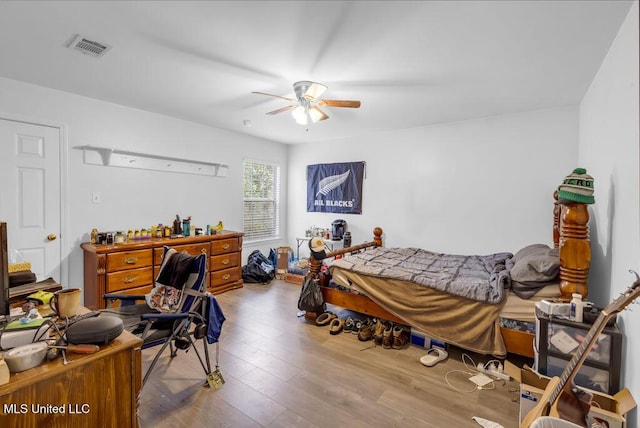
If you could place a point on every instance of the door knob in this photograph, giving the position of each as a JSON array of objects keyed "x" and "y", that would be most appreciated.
[{"x": 51, "y": 237}]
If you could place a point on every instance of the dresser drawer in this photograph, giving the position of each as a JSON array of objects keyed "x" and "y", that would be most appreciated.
[
  {"x": 225, "y": 276},
  {"x": 129, "y": 279},
  {"x": 224, "y": 261},
  {"x": 128, "y": 260},
  {"x": 224, "y": 246},
  {"x": 192, "y": 249}
]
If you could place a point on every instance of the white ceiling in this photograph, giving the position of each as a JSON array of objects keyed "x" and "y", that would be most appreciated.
[{"x": 410, "y": 63}]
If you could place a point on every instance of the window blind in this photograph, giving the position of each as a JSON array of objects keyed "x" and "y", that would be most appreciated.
[{"x": 261, "y": 200}]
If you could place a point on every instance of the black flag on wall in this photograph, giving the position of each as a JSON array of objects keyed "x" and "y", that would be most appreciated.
[{"x": 335, "y": 187}]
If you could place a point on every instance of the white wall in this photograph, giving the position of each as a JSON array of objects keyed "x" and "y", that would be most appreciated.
[
  {"x": 133, "y": 198},
  {"x": 609, "y": 116},
  {"x": 471, "y": 187}
]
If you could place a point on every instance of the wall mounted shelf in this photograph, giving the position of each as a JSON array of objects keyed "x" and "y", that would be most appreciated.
[{"x": 114, "y": 157}]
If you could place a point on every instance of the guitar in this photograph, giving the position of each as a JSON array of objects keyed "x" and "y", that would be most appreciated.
[{"x": 561, "y": 398}]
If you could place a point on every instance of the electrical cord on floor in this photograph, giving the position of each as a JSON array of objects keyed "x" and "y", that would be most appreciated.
[{"x": 468, "y": 374}]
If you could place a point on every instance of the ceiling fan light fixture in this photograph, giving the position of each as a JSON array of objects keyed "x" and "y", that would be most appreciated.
[{"x": 300, "y": 115}]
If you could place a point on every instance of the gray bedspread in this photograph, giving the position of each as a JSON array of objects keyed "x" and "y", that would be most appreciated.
[{"x": 480, "y": 278}]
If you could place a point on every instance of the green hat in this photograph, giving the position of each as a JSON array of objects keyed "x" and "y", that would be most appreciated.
[{"x": 577, "y": 187}]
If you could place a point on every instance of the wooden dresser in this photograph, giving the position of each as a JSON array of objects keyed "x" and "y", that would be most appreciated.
[{"x": 131, "y": 268}]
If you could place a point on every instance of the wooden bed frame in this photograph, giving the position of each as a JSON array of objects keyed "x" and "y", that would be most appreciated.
[{"x": 570, "y": 236}]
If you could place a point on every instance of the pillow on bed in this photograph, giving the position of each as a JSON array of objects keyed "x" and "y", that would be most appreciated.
[{"x": 535, "y": 263}]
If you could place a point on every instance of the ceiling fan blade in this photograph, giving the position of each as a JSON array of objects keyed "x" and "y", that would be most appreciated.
[
  {"x": 339, "y": 103},
  {"x": 316, "y": 114},
  {"x": 280, "y": 110},
  {"x": 276, "y": 96}
]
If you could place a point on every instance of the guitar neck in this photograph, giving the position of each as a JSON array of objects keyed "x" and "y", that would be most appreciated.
[{"x": 572, "y": 368}]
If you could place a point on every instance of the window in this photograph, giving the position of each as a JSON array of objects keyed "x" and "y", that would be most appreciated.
[{"x": 261, "y": 200}]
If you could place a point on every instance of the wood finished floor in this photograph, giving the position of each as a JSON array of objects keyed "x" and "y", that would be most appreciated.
[{"x": 282, "y": 371}]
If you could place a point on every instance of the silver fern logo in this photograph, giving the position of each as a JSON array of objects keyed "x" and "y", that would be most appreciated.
[{"x": 327, "y": 184}]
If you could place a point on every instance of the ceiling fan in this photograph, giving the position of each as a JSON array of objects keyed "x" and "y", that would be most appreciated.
[{"x": 307, "y": 105}]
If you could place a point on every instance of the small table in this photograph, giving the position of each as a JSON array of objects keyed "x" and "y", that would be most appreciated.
[{"x": 328, "y": 242}]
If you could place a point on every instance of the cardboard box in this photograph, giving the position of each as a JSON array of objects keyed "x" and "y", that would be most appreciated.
[
  {"x": 608, "y": 411},
  {"x": 420, "y": 339},
  {"x": 282, "y": 263}
]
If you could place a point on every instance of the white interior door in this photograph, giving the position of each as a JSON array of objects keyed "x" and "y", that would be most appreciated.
[{"x": 30, "y": 194}]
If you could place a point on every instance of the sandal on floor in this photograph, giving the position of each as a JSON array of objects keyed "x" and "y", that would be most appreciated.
[
  {"x": 325, "y": 318},
  {"x": 434, "y": 356},
  {"x": 336, "y": 326}
]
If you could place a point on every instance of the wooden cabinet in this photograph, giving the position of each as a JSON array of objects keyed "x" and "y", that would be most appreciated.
[
  {"x": 131, "y": 268},
  {"x": 94, "y": 390}
]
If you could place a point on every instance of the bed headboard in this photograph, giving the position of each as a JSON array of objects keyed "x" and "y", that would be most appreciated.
[
  {"x": 316, "y": 264},
  {"x": 571, "y": 237}
]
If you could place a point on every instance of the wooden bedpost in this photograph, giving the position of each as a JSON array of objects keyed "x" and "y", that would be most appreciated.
[
  {"x": 377, "y": 236},
  {"x": 575, "y": 249}
]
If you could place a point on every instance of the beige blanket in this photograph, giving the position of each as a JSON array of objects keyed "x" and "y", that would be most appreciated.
[{"x": 462, "y": 322}]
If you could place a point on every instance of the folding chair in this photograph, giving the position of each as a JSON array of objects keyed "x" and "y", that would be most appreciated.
[{"x": 177, "y": 313}]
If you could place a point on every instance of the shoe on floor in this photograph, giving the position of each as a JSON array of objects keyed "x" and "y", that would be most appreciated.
[
  {"x": 378, "y": 331},
  {"x": 387, "y": 336},
  {"x": 366, "y": 331},
  {"x": 434, "y": 356},
  {"x": 357, "y": 326},
  {"x": 400, "y": 337},
  {"x": 348, "y": 325},
  {"x": 336, "y": 326},
  {"x": 377, "y": 328}
]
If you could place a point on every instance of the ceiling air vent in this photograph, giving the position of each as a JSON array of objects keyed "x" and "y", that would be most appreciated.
[{"x": 89, "y": 47}]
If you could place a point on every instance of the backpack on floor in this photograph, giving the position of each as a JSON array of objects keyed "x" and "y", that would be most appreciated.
[{"x": 258, "y": 269}]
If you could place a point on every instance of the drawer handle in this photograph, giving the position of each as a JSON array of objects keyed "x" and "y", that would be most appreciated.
[
  {"x": 131, "y": 260},
  {"x": 226, "y": 276},
  {"x": 202, "y": 251},
  {"x": 225, "y": 262},
  {"x": 130, "y": 279},
  {"x": 226, "y": 246}
]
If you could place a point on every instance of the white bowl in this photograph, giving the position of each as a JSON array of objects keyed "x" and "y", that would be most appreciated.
[{"x": 24, "y": 357}]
